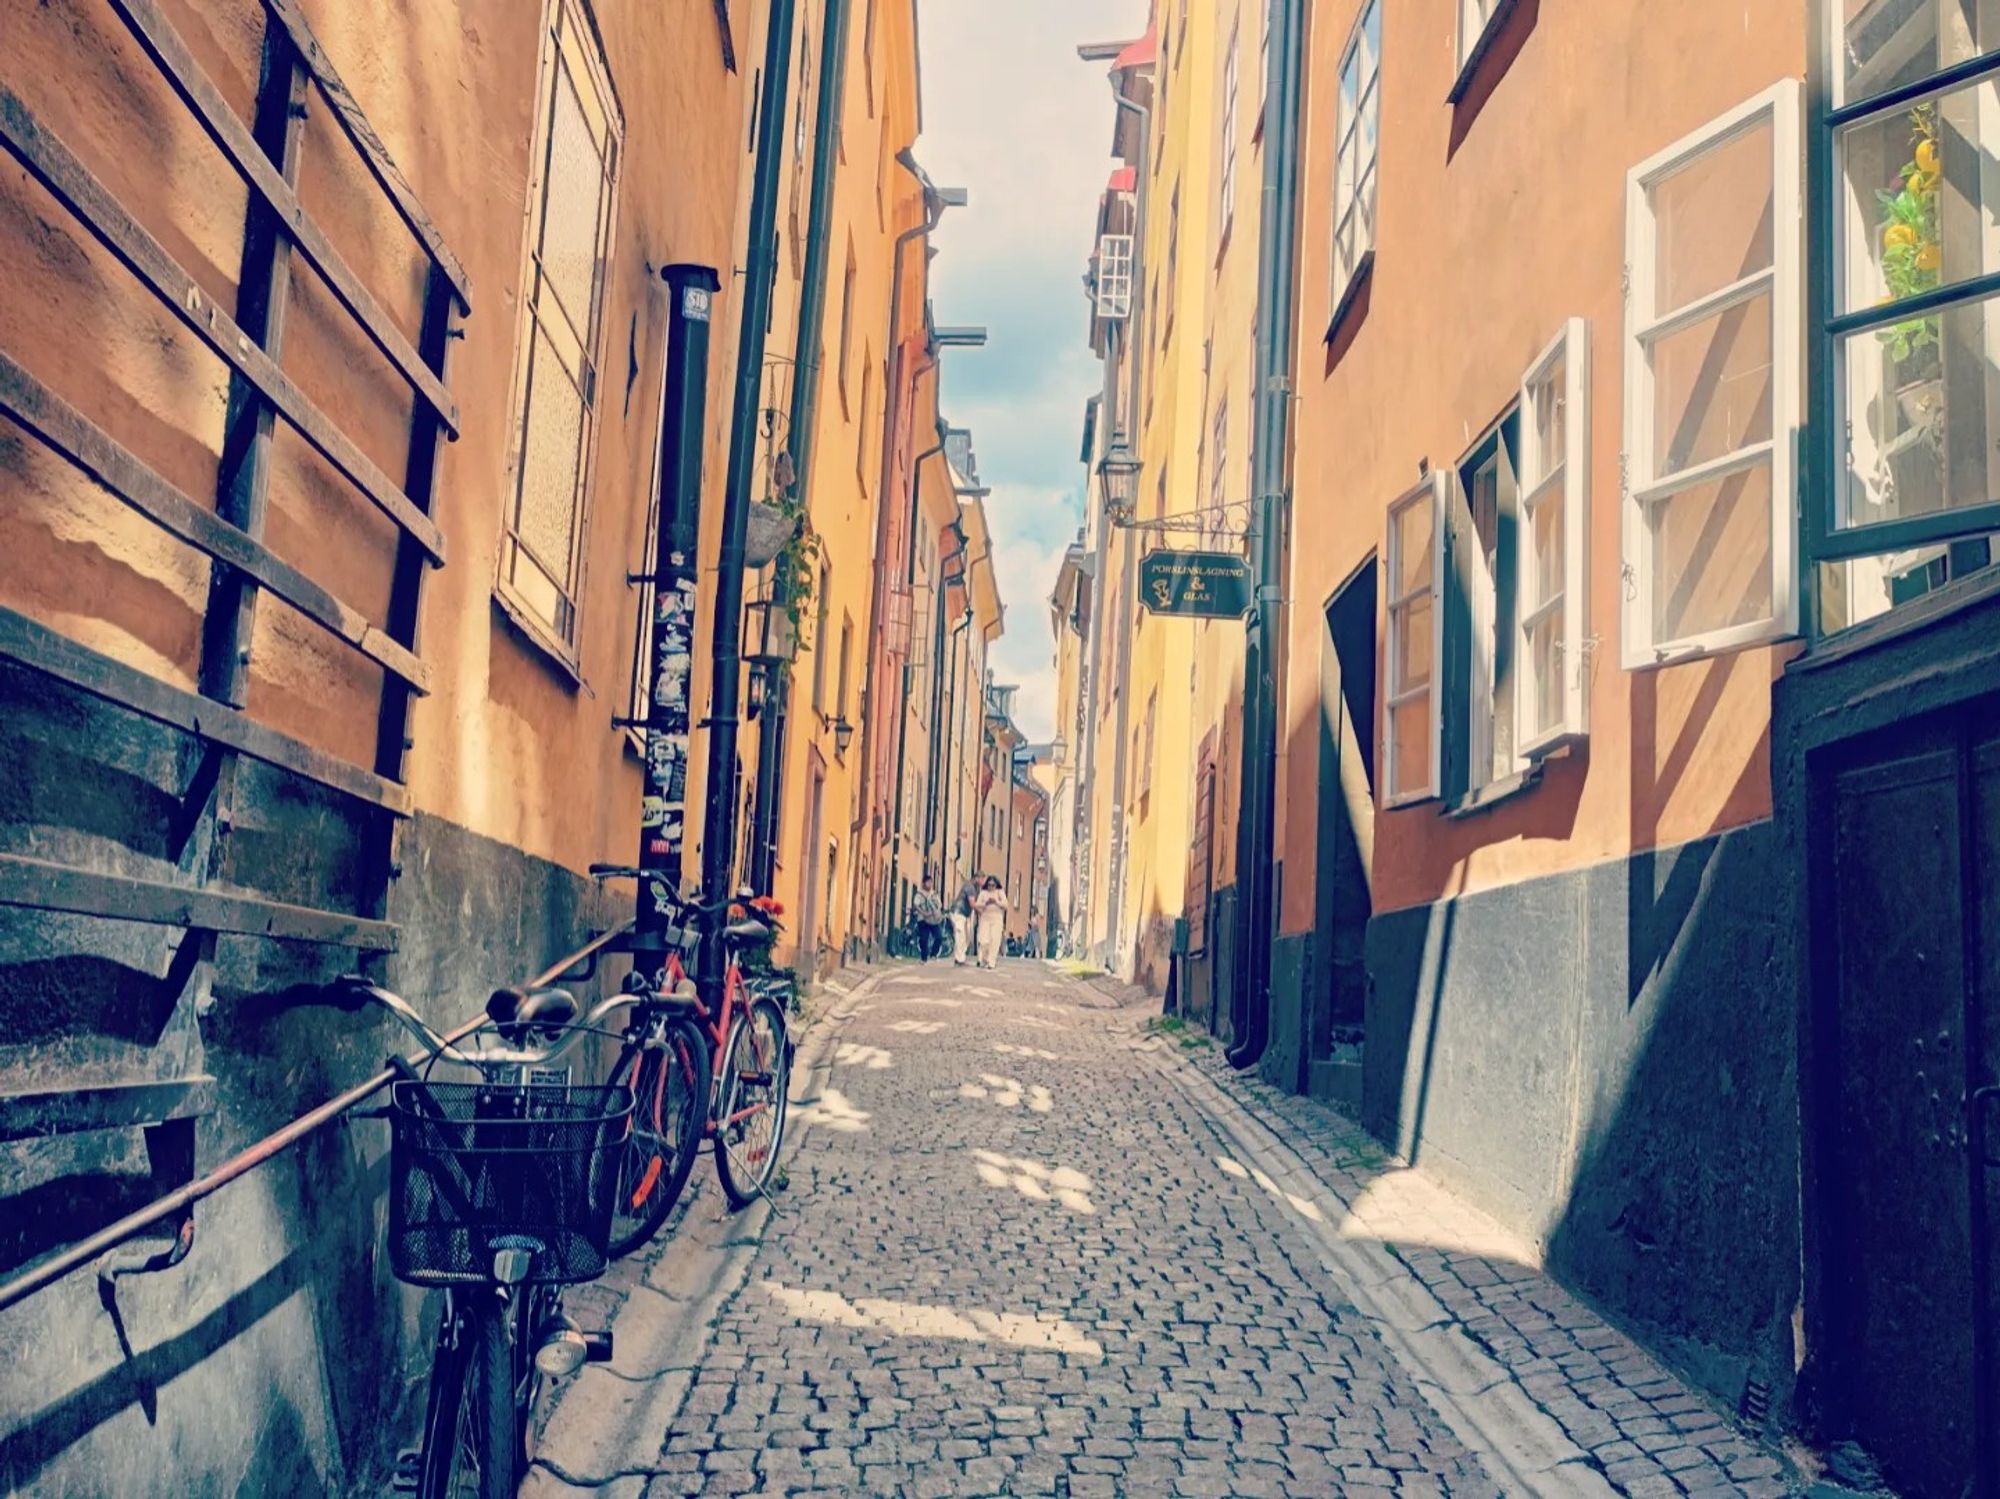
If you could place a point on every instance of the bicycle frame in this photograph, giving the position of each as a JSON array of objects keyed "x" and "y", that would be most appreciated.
[{"x": 735, "y": 998}]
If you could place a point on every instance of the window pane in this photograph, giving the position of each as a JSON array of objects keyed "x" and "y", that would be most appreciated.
[
  {"x": 1410, "y": 731},
  {"x": 1544, "y": 667},
  {"x": 1923, "y": 415},
  {"x": 1850, "y": 593},
  {"x": 1543, "y": 577},
  {"x": 1713, "y": 219},
  {"x": 1712, "y": 387},
  {"x": 1880, "y": 45},
  {"x": 574, "y": 195},
  {"x": 1712, "y": 556},
  {"x": 1371, "y": 38},
  {"x": 1412, "y": 542},
  {"x": 1413, "y": 623},
  {"x": 550, "y": 445},
  {"x": 1548, "y": 434},
  {"x": 1920, "y": 190}
]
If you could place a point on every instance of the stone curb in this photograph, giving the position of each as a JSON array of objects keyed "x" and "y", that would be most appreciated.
[
  {"x": 610, "y": 1422},
  {"x": 1520, "y": 1445}
]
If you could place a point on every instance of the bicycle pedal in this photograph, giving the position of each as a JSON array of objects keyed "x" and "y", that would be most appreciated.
[
  {"x": 755, "y": 1079},
  {"x": 409, "y": 1469}
]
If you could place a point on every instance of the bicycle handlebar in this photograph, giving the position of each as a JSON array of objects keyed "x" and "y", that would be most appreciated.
[{"x": 489, "y": 1056}]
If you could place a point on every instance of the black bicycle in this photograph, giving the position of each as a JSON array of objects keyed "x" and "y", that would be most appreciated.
[{"x": 501, "y": 1194}]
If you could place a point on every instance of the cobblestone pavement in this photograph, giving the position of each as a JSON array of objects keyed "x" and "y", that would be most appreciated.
[
  {"x": 1030, "y": 1246},
  {"x": 1649, "y": 1432}
]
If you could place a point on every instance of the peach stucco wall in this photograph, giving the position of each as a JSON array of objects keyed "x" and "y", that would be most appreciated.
[{"x": 1498, "y": 219}]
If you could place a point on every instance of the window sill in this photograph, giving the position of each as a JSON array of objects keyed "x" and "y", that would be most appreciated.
[
  {"x": 1462, "y": 84},
  {"x": 1493, "y": 793},
  {"x": 554, "y": 653},
  {"x": 1344, "y": 304}
]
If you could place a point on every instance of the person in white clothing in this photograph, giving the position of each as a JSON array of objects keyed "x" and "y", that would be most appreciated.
[{"x": 992, "y": 909}]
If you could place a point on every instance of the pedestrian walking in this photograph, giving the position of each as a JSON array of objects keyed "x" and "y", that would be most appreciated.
[
  {"x": 929, "y": 913},
  {"x": 992, "y": 908},
  {"x": 961, "y": 922}
]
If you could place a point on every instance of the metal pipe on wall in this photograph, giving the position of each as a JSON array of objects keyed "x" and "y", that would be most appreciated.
[
  {"x": 1270, "y": 461},
  {"x": 804, "y": 415},
  {"x": 726, "y": 646}
]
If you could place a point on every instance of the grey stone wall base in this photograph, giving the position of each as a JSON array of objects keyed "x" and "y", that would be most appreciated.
[{"x": 1605, "y": 1061}]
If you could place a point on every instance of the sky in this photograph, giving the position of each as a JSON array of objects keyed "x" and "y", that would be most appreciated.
[{"x": 1014, "y": 117}]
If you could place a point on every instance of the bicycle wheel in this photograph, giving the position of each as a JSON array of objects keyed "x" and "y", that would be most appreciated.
[
  {"x": 472, "y": 1434},
  {"x": 669, "y": 1081},
  {"x": 750, "y": 1127}
]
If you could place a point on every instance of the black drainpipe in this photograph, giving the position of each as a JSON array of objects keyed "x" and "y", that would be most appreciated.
[
  {"x": 804, "y": 417},
  {"x": 691, "y": 292},
  {"x": 1256, "y": 926},
  {"x": 718, "y": 844}
]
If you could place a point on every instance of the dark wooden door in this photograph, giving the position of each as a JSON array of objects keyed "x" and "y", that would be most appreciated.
[
  {"x": 1910, "y": 901},
  {"x": 1346, "y": 811}
]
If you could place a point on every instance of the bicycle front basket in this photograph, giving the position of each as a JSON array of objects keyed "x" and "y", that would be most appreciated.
[{"x": 475, "y": 1168}]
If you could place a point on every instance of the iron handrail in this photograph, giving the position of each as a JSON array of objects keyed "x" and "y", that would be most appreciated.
[{"x": 250, "y": 1158}]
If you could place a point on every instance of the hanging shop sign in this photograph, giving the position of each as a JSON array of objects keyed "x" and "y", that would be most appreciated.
[{"x": 1195, "y": 585}]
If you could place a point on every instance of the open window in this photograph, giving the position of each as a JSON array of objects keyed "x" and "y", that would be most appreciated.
[
  {"x": 1712, "y": 386},
  {"x": 1551, "y": 676},
  {"x": 1411, "y": 747}
]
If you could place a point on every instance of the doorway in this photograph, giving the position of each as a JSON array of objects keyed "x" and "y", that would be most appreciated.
[
  {"x": 807, "y": 959},
  {"x": 1346, "y": 826}
]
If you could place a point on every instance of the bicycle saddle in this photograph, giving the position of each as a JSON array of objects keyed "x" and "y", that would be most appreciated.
[
  {"x": 747, "y": 930},
  {"x": 548, "y": 1007}
]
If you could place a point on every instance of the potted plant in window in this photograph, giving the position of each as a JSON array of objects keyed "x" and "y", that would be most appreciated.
[{"x": 1912, "y": 260}]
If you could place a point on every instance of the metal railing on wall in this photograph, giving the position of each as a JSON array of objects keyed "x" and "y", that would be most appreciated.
[{"x": 177, "y": 1207}]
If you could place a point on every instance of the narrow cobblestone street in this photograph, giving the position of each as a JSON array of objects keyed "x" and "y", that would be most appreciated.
[{"x": 1024, "y": 1249}]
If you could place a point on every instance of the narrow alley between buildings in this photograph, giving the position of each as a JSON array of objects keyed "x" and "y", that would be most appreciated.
[{"x": 1032, "y": 1243}]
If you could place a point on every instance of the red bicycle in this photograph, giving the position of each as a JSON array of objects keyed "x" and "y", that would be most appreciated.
[{"x": 682, "y": 1094}]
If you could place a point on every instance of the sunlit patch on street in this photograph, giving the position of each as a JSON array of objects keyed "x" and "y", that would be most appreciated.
[
  {"x": 933, "y": 1000},
  {"x": 833, "y": 1111},
  {"x": 1036, "y": 1022},
  {"x": 1033, "y": 1180},
  {"x": 913, "y": 1319},
  {"x": 1009, "y": 1093},
  {"x": 854, "y": 1054},
  {"x": 916, "y": 1027},
  {"x": 1008, "y": 1049},
  {"x": 1303, "y": 1206}
]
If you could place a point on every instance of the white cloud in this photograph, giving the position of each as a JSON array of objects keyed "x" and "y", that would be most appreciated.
[{"x": 1015, "y": 117}]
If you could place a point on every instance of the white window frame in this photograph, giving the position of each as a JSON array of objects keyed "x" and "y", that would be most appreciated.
[
  {"x": 1779, "y": 104},
  {"x": 1555, "y": 479},
  {"x": 1231, "y": 82},
  {"x": 569, "y": 48},
  {"x": 1114, "y": 277},
  {"x": 1470, "y": 37},
  {"x": 1347, "y": 122},
  {"x": 1429, "y": 491}
]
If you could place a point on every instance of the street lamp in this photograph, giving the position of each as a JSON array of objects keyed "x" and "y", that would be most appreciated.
[
  {"x": 1119, "y": 472},
  {"x": 843, "y": 735},
  {"x": 770, "y": 642}
]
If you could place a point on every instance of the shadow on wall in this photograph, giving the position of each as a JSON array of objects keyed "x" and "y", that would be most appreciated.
[{"x": 1605, "y": 1061}]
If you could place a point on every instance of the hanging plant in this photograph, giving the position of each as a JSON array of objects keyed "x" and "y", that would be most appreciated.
[
  {"x": 795, "y": 570},
  {"x": 1912, "y": 255}
]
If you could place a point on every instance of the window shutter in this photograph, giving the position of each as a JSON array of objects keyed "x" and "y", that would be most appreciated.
[
  {"x": 1551, "y": 678},
  {"x": 1708, "y": 477},
  {"x": 1412, "y": 741}
]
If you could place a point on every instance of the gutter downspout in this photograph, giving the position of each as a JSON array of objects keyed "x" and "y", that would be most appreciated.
[
  {"x": 947, "y": 749},
  {"x": 909, "y": 587},
  {"x": 718, "y": 845},
  {"x": 934, "y": 207},
  {"x": 1270, "y": 450},
  {"x": 804, "y": 416},
  {"x": 1125, "y": 416}
]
